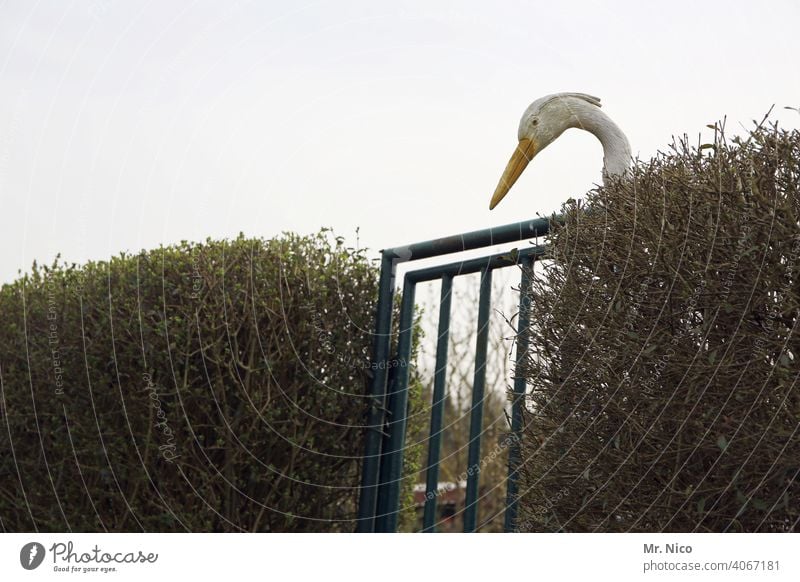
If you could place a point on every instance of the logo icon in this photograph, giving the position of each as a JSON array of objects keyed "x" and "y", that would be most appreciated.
[{"x": 31, "y": 555}]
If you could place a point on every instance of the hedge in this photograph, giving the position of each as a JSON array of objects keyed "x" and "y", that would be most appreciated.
[
  {"x": 198, "y": 387},
  {"x": 664, "y": 370}
]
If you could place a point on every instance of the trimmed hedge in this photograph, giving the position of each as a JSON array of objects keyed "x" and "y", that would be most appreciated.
[
  {"x": 665, "y": 352},
  {"x": 200, "y": 387}
]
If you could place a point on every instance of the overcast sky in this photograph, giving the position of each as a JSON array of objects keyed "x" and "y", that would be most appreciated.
[{"x": 125, "y": 125}]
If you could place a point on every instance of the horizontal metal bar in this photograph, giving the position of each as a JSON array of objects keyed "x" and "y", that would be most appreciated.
[
  {"x": 473, "y": 240},
  {"x": 491, "y": 262}
]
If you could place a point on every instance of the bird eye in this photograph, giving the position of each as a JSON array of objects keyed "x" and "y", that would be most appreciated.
[{"x": 535, "y": 121}]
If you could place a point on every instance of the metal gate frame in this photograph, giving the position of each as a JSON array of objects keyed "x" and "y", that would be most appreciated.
[{"x": 386, "y": 422}]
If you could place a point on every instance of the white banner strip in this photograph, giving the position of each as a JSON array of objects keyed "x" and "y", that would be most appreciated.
[{"x": 399, "y": 557}]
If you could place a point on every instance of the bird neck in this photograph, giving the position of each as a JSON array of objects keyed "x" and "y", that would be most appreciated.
[{"x": 616, "y": 149}]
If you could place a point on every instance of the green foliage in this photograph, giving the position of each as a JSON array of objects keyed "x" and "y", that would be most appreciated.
[
  {"x": 413, "y": 453},
  {"x": 199, "y": 387},
  {"x": 665, "y": 358}
]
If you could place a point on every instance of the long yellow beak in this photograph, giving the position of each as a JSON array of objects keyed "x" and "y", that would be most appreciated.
[{"x": 524, "y": 153}]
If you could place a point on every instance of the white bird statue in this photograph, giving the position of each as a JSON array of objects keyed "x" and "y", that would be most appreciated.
[{"x": 547, "y": 118}]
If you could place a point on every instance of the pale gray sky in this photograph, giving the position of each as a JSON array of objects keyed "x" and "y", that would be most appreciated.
[{"x": 124, "y": 125}]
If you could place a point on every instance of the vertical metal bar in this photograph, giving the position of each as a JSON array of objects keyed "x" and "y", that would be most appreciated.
[
  {"x": 382, "y": 508},
  {"x": 367, "y": 503},
  {"x": 518, "y": 402},
  {"x": 476, "y": 412},
  {"x": 391, "y": 472},
  {"x": 437, "y": 407}
]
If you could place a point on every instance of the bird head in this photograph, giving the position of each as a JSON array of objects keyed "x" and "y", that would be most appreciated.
[{"x": 543, "y": 121}]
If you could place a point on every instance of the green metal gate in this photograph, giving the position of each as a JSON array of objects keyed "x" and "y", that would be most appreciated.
[{"x": 386, "y": 425}]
